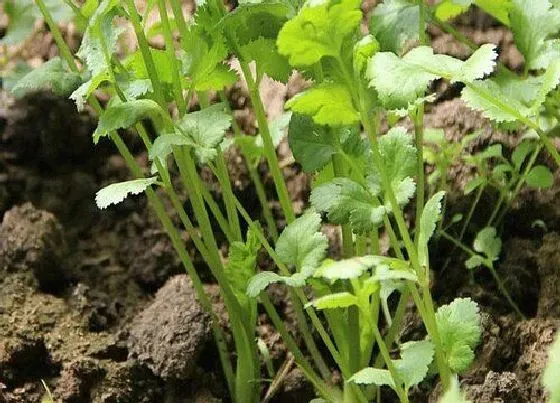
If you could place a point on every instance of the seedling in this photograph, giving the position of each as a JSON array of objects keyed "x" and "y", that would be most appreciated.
[{"x": 363, "y": 180}]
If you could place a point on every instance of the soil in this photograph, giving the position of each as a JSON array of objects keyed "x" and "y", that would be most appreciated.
[{"x": 96, "y": 303}]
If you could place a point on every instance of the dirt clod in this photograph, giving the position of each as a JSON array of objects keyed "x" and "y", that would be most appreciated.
[
  {"x": 32, "y": 239},
  {"x": 169, "y": 334}
]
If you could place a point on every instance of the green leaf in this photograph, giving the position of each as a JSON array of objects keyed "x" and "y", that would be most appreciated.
[
  {"x": 430, "y": 216},
  {"x": 454, "y": 394},
  {"x": 313, "y": 145},
  {"x": 474, "y": 184},
  {"x": 373, "y": 376},
  {"x": 448, "y": 9},
  {"x": 487, "y": 97},
  {"x": 551, "y": 375},
  {"x": 206, "y": 128},
  {"x": 363, "y": 50},
  {"x": 163, "y": 144},
  {"x": 117, "y": 192},
  {"x": 259, "y": 282},
  {"x": 164, "y": 69},
  {"x": 401, "y": 81},
  {"x": 83, "y": 92},
  {"x": 22, "y": 15},
  {"x": 328, "y": 104},
  {"x": 249, "y": 22},
  {"x": 301, "y": 244},
  {"x": 332, "y": 301},
  {"x": 534, "y": 24},
  {"x": 413, "y": 365},
  {"x": 488, "y": 242},
  {"x": 550, "y": 80},
  {"x": 347, "y": 268},
  {"x": 412, "y": 368},
  {"x": 52, "y": 75},
  {"x": 318, "y": 31},
  {"x": 474, "y": 261},
  {"x": 521, "y": 152},
  {"x": 540, "y": 177},
  {"x": 242, "y": 263},
  {"x": 101, "y": 27},
  {"x": 398, "y": 154},
  {"x": 395, "y": 25},
  {"x": 264, "y": 53},
  {"x": 459, "y": 331},
  {"x": 124, "y": 115},
  {"x": 346, "y": 201}
]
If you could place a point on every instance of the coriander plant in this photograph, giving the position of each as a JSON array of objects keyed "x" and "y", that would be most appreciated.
[{"x": 364, "y": 181}]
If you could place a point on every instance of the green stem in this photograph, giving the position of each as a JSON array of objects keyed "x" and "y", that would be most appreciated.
[
  {"x": 146, "y": 54},
  {"x": 472, "y": 209},
  {"x": 347, "y": 237},
  {"x": 298, "y": 303},
  {"x": 422, "y": 22},
  {"x": 401, "y": 393},
  {"x": 420, "y": 187},
  {"x": 180, "y": 19},
  {"x": 63, "y": 48},
  {"x": 227, "y": 192},
  {"x": 254, "y": 174},
  {"x": 497, "y": 207},
  {"x": 216, "y": 212},
  {"x": 172, "y": 58},
  {"x": 327, "y": 392},
  {"x": 269, "y": 149}
]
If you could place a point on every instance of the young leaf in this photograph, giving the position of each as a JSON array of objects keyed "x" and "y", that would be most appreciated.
[
  {"x": 318, "y": 31},
  {"x": 332, "y": 301},
  {"x": 401, "y": 81},
  {"x": 550, "y": 80},
  {"x": 454, "y": 394},
  {"x": 347, "y": 268},
  {"x": 430, "y": 217},
  {"x": 82, "y": 93},
  {"x": 328, "y": 104},
  {"x": 412, "y": 368},
  {"x": 117, "y": 192},
  {"x": 52, "y": 75},
  {"x": 521, "y": 152},
  {"x": 267, "y": 58},
  {"x": 551, "y": 376},
  {"x": 363, "y": 50},
  {"x": 313, "y": 145},
  {"x": 373, "y": 376},
  {"x": 259, "y": 282},
  {"x": 474, "y": 261},
  {"x": 206, "y": 128},
  {"x": 488, "y": 242},
  {"x": 125, "y": 114},
  {"x": 534, "y": 24},
  {"x": 395, "y": 24},
  {"x": 301, "y": 244},
  {"x": 487, "y": 97},
  {"x": 346, "y": 201},
  {"x": 459, "y": 330},
  {"x": 540, "y": 177},
  {"x": 448, "y": 9},
  {"x": 242, "y": 263}
]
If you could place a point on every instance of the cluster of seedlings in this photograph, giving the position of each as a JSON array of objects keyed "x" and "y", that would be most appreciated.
[{"x": 363, "y": 180}]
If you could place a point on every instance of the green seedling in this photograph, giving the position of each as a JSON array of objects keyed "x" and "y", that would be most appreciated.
[{"x": 364, "y": 180}]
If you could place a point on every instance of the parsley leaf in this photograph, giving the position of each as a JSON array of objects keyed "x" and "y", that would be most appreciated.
[
  {"x": 117, "y": 192},
  {"x": 301, "y": 244},
  {"x": 328, "y": 103},
  {"x": 459, "y": 330},
  {"x": 395, "y": 25},
  {"x": 533, "y": 24},
  {"x": 318, "y": 31},
  {"x": 401, "y": 81},
  {"x": 430, "y": 217},
  {"x": 53, "y": 75},
  {"x": 206, "y": 128},
  {"x": 267, "y": 58}
]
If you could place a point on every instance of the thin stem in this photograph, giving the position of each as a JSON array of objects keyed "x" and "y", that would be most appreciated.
[
  {"x": 497, "y": 207},
  {"x": 298, "y": 302},
  {"x": 269, "y": 149},
  {"x": 347, "y": 239},
  {"x": 216, "y": 212},
  {"x": 327, "y": 392},
  {"x": 420, "y": 187},
  {"x": 63, "y": 48},
  {"x": 227, "y": 193},
  {"x": 172, "y": 58},
  {"x": 472, "y": 209}
]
